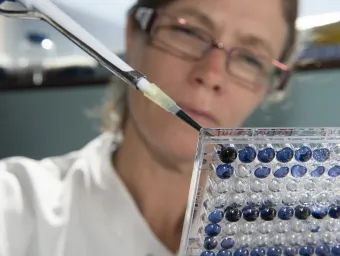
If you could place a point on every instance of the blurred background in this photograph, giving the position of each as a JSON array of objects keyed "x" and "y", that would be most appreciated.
[{"x": 51, "y": 92}]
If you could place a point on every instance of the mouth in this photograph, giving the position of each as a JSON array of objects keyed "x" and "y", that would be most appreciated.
[{"x": 202, "y": 117}]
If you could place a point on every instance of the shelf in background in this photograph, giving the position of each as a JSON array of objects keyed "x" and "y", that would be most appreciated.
[
  {"x": 319, "y": 56},
  {"x": 58, "y": 78}
]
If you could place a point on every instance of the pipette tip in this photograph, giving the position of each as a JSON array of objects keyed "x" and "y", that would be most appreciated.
[{"x": 186, "y": 118}]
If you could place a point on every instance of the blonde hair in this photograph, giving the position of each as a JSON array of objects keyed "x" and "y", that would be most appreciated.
[{"x": 115, "y": 108}]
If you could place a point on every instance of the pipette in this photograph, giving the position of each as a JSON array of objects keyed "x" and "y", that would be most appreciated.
[{"x": 53, "y": 15}]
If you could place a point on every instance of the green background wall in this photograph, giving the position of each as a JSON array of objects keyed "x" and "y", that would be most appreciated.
[{"x": 40, "y": 123}]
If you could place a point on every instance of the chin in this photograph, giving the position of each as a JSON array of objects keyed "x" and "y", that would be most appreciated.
[{"x": 180, "y": 140}]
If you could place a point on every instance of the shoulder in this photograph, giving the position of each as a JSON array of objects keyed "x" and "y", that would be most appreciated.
[
  {"x": 32, "y": 191},
  {"x": 53, "y": 170},
  {"x": 33, "y": 175},
  {"x": 46, "y": 179},
  {"x": 24, "y": 182}
]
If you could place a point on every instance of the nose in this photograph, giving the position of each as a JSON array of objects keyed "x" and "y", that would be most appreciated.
[{"x": 210, "y": 71}]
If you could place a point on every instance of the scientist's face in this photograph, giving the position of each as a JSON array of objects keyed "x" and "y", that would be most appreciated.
[{"x": 178, "y": 59}]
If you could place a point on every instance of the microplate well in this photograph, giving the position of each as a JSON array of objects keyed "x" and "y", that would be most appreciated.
[{"x": 264, "y": 191}]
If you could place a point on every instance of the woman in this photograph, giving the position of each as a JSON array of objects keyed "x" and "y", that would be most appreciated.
[{"x": 125, "y": 192}]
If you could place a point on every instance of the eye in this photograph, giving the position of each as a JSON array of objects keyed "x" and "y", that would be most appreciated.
[
  {"x": 188, "y": 31},
  {"x": 252, "y": 61}
]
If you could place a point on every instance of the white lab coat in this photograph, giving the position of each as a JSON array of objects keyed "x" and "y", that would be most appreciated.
[{"x": 71, "y": 205}]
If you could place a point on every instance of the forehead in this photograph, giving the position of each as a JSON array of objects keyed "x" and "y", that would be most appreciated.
[{"x": 233, "y": 20}]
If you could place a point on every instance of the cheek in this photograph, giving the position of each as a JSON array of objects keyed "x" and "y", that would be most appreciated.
[
  {"x": 159, "y": 69},
  {"x": 165, "y": 70},
  {"x": 238, "y": 105},
  {"x": 157, "y": 126},
  {"x": 164, "y": 134}
]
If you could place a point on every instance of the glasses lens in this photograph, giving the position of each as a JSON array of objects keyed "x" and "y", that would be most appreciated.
[
  {"x": 251, "y": 68},
  {"x": 184, "y": 39}
]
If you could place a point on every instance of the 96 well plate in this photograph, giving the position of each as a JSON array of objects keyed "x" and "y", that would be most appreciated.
[{"x": 264, "y": 192}]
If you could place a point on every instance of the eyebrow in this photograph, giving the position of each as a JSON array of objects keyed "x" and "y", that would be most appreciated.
[
  {"x": 253, "y": 40},
  {"x": 196, "y": 15},
  {"x": 247, "y": 39}
]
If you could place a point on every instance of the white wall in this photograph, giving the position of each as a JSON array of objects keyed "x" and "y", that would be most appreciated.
[
  {"x": 2, "y": 33},
  {"x": 105, "y": 19},
  {"x": 313, "y": 7}
]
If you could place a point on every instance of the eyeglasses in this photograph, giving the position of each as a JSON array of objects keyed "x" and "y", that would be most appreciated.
[{"x": 183, "y": 39}]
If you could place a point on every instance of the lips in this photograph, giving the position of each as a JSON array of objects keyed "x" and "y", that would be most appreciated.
[{"x": 199, "y": 115}]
